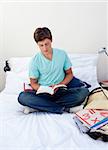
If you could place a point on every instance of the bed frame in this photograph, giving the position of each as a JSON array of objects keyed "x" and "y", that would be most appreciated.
[{"x": 7, "y": 67}]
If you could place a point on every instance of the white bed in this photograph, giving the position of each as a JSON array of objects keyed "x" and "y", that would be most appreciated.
[{"x": 43, "y": 131}]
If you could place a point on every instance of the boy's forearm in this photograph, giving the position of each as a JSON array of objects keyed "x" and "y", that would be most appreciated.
[
  {"x": 67, "y": 79},
  {"x": 34, "y": 84}
]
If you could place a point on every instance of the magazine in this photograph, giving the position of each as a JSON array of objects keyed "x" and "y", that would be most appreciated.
[
  {"x": 50, "y": 90},
  {"x": 93, "y": 118}
]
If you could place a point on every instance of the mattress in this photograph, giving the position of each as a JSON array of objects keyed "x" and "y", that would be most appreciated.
[{"x": 40, "y": 131}]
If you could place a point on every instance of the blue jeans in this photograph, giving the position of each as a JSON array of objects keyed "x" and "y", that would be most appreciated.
[{"x": 56, "y": 103}]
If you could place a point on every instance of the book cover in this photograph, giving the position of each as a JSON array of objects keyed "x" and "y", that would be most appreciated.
[
  {"x": 48, "y": 89},
  {"x": 100, "y": 123},
  {"x": 27, "y": 87},
  {"x": 91, "y": 117}
]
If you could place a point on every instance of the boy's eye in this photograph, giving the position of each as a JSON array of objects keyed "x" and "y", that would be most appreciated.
[{"x": 41, "y": 45}]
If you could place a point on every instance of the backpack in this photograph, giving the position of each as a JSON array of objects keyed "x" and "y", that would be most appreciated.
[{"x": 98, "y": 99}]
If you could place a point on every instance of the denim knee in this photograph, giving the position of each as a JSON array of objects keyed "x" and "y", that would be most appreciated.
[
  {"x": 85, "y": 91},
  {"x": 82, "y": 93},
  {"x": 21, "y": 98}
]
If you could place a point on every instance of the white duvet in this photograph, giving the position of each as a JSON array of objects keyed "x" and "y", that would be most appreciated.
[
  {"x": 40, "y": 131},
  {"x": 43, "y": 131}
]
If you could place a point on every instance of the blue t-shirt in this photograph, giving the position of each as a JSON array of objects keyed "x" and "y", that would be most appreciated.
[{"x": 49, "y": 72}]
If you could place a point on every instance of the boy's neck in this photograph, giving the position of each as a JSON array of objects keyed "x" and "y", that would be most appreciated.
[{"x": 49, "y": 55}]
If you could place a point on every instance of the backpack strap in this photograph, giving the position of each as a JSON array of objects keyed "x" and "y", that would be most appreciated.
[
  {"x": 97, "y": 135},
  {"x": 105, "y": 138},
  {"x": 96, "y": 90}
]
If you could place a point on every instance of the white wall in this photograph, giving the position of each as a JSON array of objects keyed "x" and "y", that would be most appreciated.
[
  {"x": 2, "y": 74},
  {"x": 76, "y": 26},
  {"x": 107, "y": 25}
]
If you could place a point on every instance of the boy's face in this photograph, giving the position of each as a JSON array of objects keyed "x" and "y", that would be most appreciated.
[{"x": 45, "y": 46}]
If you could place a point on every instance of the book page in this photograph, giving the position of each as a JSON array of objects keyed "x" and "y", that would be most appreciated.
[
  {"x": 45, "y": 89},
  {"x": 59, "y": 85}
]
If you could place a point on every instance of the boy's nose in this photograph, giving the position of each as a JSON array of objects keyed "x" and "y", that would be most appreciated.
[{"x": 44, "y": 48}]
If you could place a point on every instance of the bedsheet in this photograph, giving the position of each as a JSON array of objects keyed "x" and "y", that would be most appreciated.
[{"x": 40, "y": 131}]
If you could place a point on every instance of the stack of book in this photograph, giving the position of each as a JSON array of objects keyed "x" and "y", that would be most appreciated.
[{"x": 87, "y": 119}]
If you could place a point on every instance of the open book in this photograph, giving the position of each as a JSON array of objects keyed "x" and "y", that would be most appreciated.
[{"x": 50, "y": 90}]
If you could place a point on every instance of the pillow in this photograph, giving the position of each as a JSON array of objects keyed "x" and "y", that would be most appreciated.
[
  {"x": 19, "y": 64},
  {"x": 15, "y": 82},
  {"x": 82, "y": 60},
  {"x": 83, "y": 66}
]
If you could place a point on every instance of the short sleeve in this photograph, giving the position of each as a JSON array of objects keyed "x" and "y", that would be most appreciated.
[
  {"x": 33, "y": 69},
  {"x": 67, "y": 62}
]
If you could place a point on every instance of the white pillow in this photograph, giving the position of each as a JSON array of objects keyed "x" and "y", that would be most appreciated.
[
  {"x": 84, "y": 68},
  {"x": 83, "y": 65},
  {"x": 83, "y": 60},
  {"x": 19, "y": 64},
  {"x": 15, "y": 82}
]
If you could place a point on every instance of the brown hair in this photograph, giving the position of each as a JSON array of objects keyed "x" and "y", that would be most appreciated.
[{"x": 41, "y": 34}]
